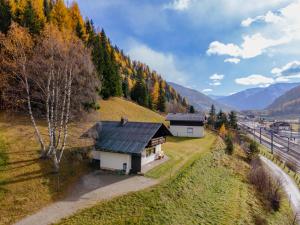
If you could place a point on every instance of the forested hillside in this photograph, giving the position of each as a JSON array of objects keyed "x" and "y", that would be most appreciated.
[
  {"x": 112, "y": 74},
  {"x": 286, "y": 104}
]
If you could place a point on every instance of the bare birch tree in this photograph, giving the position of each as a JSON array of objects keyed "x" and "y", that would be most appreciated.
[{"x": 56, "y": 74}]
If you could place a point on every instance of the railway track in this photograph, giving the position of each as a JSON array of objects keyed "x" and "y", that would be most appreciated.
[{"x": 287, "y": 152}]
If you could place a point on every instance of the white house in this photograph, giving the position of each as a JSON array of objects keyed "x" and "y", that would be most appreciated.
[
  {"x": 186, "y": 124},
  {"x": 127, "y": 146}
]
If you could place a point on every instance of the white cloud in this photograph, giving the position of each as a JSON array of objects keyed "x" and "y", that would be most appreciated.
[
  {"x": 269, "y": 17},
  {"x": 232, "y": 60},
  {"x": 216, "y": 79},
  {"x": 163, "y": 63},
  {"x": 251, "y": 47},
  {"x": 290, "y": 69},
  {"x": 207, "y": 90},
  {"x": 255, "y": 79},
  {"x": 216, "y": 76},
  {"x": 178, "y": 5}
]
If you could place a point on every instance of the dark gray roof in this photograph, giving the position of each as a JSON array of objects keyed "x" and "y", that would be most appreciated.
[
  {"x": 130, "y": 138},
  {"x": 195, "y": 117}
]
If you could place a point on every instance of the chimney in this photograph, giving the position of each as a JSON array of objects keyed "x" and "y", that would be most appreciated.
[{"x": 124, "y": 120}]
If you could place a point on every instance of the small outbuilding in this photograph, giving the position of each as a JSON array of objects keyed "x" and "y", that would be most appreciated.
[
  {"x": 127, "y": 146},
  {"x": 281, "y": 126},
  {"x": 186, "y": 124}
]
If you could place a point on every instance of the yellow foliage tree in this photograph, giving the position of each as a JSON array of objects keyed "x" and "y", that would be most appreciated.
[
  {"x": 223, "y": 131},
  {"x": 155, "y": 93}
]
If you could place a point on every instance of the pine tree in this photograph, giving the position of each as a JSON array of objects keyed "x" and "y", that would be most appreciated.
[
  {"x": 125, "y": 88},
  {"x": 232, "y": 120},
  {"x": 212, "y": 116},
  {"x": 31, "y": 20},
  {"x": 111, "y": 80},
  {"x": 139, "y": 90},
  {"x": 161, "y": 105},
  {"x": 191, "y": 110},
  {"x": 5, "y": 16},
  {"x": 221, "y": 119},
  {"x": 48, "y": 5}
]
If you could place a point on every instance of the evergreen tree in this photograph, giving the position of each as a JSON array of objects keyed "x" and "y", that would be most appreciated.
[
  {"x": 5, "y": 16},
  {"x": 139, "y": 91},
  {"x": 111, "y": 80},
  {"x": 48, "y": 4},
  {"x": 232, "y": 120},
  {"x": 212, "y": 116},
  {"x": 125, "y": 88},
  {"x": 191, "y": 110},
  {"x": 31, "y": 20},
  {"x": 161, "y": 105},
  {"x": 221, "y": 119}
]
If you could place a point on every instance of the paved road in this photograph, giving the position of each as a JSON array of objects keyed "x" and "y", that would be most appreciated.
[
  {"x": 91, "y": 189},
  {"x": 288, "y": 184}
]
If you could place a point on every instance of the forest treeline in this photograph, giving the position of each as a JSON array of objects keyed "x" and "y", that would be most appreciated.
[{"x": 112, "y": 73}]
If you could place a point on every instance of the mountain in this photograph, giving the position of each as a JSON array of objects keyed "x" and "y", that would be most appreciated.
[
  {"x": 286, "y": 104},
  {"x": 216, "y": 97},
  {"x": 199, "y": 100},
  {"x": 256, "y": 98}
]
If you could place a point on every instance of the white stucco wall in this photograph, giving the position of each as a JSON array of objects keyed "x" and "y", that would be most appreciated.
[
  {"x": 112, "y": 161},
  {"x": 151, "y": 157},
  {"x": 182, "y": 131}
]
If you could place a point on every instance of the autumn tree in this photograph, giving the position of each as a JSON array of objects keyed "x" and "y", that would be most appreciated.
[
  {"x": 31, "y": 19},
  {"x": 60, "y": 15},
  {"x": 56, "y": 74},
  {"x": 222, "y": 131}
]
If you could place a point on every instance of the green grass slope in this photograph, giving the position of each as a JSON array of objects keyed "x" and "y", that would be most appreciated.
[{"x": 211, "y": 190}]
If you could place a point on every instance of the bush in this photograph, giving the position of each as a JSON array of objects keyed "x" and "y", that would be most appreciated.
[
  {"x": 268, "y": 186},
  {"x": 291, "y": 166},
  {"x": 229, "y": 145},
  {"x": 258, "y": 220},
  {"x": 253, "y": 151}
]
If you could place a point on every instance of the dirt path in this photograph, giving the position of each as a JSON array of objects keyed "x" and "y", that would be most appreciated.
[
  {"x": 91, "y": 189},
  {"x": 289, "y": 185}
]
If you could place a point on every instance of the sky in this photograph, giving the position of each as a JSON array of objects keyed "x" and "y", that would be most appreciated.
[{"x": 218, "y": 47}]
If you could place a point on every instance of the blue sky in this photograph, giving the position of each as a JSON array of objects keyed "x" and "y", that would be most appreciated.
[{"x": 215, "y": 46}]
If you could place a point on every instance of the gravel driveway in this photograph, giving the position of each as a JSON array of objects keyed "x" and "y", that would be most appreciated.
[{"x": 91, "y": 189}]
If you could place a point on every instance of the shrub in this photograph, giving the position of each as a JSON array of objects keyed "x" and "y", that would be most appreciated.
[
  {"x": 253, "y": 151},
  {"x": 258, "y": 220},
  {"x": 229, "y": 145},
  {"x": 291, "y": 166}
]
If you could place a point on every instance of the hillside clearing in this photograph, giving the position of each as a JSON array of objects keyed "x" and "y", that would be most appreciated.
[
  {"x": 27, "y": 183},
  {"x": 213, "y": 189}
]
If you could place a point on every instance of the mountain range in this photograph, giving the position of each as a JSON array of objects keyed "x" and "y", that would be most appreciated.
[
  {"x": 256, "y": 98},
  {"x": 199, "y": 100}
]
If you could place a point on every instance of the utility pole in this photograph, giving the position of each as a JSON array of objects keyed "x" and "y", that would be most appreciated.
[
  {"x": 260, "y": 135},
  {"x": 272, "y": 142}
]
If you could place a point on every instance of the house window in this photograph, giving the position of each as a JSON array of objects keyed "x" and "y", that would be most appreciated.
[
  {"x": 150, "y": 151},
  {"x": 124, "y": 166},
  {"x": 190, "y": 130}
]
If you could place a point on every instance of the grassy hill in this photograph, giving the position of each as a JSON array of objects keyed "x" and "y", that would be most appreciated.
[
  {"x": 115, "y": 108},
  {"x": 26, "y": 182}
]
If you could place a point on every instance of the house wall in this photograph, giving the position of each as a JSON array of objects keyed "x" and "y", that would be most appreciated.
[
  {"x": 151, "y": 157},
  {"x": 182, "y": 131},
  {"x": 112, "y": 161}
]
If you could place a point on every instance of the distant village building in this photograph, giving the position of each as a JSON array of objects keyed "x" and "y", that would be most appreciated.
[
  {"x": 186, "y": 124},
  {"x": 280, "y": 126},
  {"x": 127, "y": 146}
]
